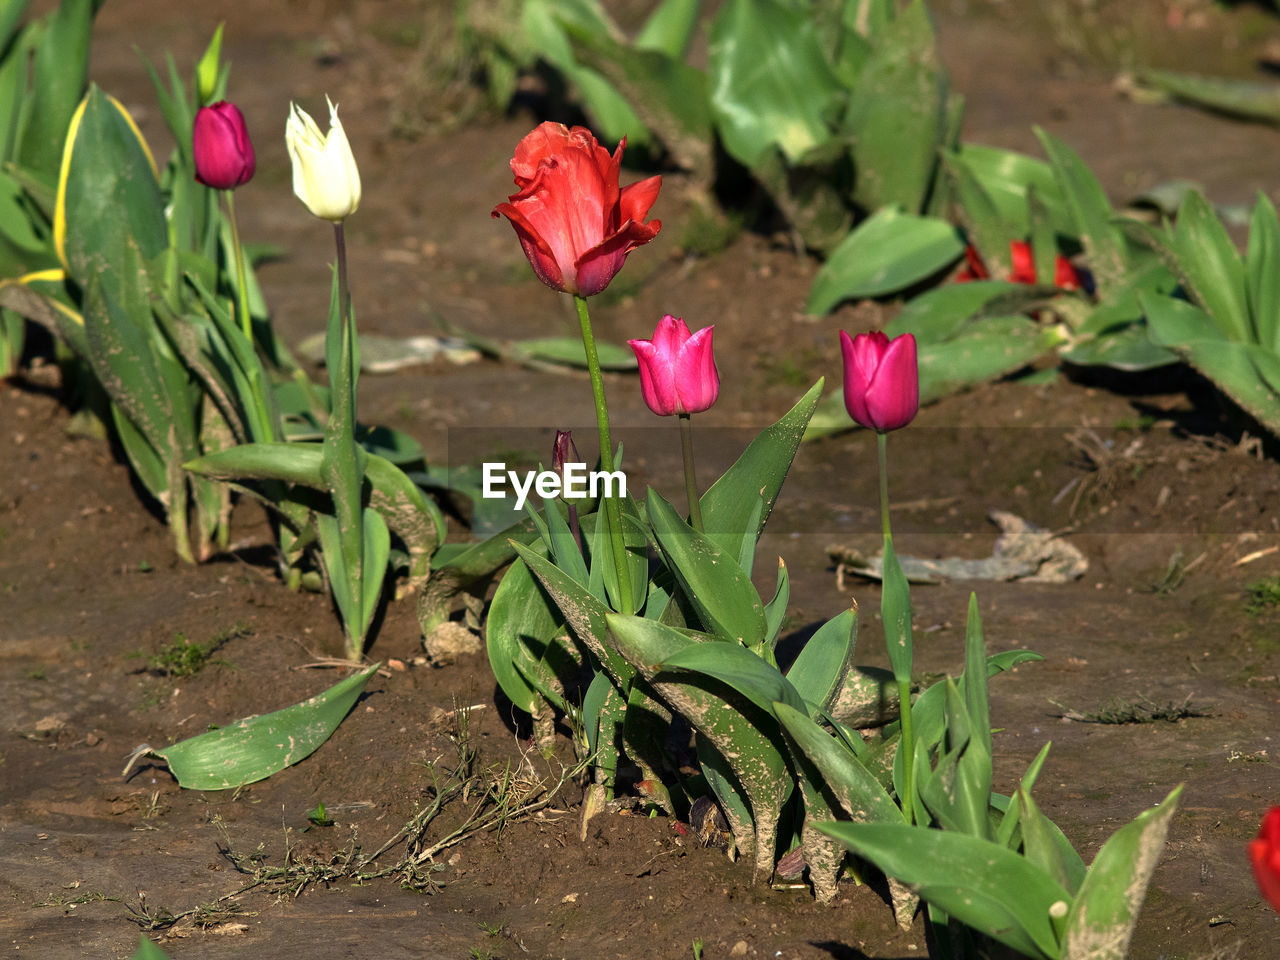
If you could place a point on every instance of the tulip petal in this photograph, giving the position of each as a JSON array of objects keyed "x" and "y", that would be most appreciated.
[
  {"x": 696, "y": 377},
  {"x": 657, "y": 378}
]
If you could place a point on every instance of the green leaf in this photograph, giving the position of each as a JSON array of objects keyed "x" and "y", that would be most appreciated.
[
  {"x": 895, "y": 611},
  {"x": 108, "y": 196},
  {"x": 669, "y": 28},
  {"x": 1008, "y": 177},
  {"x": 989, "y": 232},
  {"x": 858, "y": 792},
  {"x": 254, "y": 748},
  {"x": 147, "y": 950},
  {"x": 1241, "y": 98},
  {"x": 989, "y": 348},
  {"x": 520, "y": 637},
  {"x": 746, "y": 737},
  {"x": 984, "y": 886},
  {"x": 723, "y": 595},
  {"x": 1041, "y": 844},
  {"x": 1262, "y": 266},
  {"x": 770, "y": 81},
  {"x": 738, "y": 668},
  {"x": 885, "y": 253},
  {"x": 1105, "y": 910},
  {"x": 897, "y": 114},
  {"x": 1208, "y": 260},
  {"x": 568, "y": 351},
  {"x": 1090, "y": 211},
  {"x": 939, "y": 314},
  {"x": 775, "y": 611},
  {"x": 59, "y": 70},
  {"x": 748, "y": 490},
  {"x": 820, "y": 668}
]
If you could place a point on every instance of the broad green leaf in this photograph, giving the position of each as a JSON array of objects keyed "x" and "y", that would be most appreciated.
[
  {"x": 108, "y": 196},
  {"x": 669, "y": 28},
  {"x": 584, "y": 613},
  {"x": 770, "y": 81},
  {"x": 975, "y": 681},
  {"x": 1105, "y": 910},
  {"x": 984, "y": 886},
  {"x": 1041, "y": 846},
  {"x": 750, "y": 487},
  {"x": 939, "y": 314},
  {"x": 1176, "y": 323},
  {"x": 748, "y": 738},
  {"x": 520, "y": 637},
  {"x": 413, "y": 518},
  {"x": 987, "y": 349},
  {"x": 254, "y": 748},
  {"x": 1247, "y": 374},
  {"x": 1090, "y": 211},
  {"x": 987, "y": 230},
  {"x": 1262, "y": 265},
  {"x": 569, "y": 351},
  {"x": 668, "y": 96},
  {"x": 1209, "y": 261},
  {"x": 718, "y": 588},
  {"x": 859, "y": 793},
  {"x": 897, "y": 114},
  {"x": 738, "y": 668},
  {"x": 1242, "y": 98},
  {"x": 59, "y": 71},
  {"x": 895, "y": 611},
  {"x": 1008, "y": 177},
  {"x": 887, "y": 252},
  {"x": 820, "y": 668}
]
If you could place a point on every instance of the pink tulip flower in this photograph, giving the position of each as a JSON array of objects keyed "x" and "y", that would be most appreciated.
[
  {"x": 677, "y": 369},
  {"x": 220, "y": 144},
  {"x": 881, "y": 380}
]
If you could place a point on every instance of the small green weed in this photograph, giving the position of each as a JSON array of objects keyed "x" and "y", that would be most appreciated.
[
  {"x": 183, "y": 658},
  {"x": 35, "y": 673},
  {"x": 1263, "y": 596}
]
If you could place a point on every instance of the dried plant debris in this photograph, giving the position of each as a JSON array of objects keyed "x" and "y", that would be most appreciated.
[
  {"x": 1118, "y": 710},
  {"x": 1023, "y": 551}
]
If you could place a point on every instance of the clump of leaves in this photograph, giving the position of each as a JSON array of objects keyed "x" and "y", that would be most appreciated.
[
  {"x": 1264, "y": 595},
  {"x": 186, "y": 658}
]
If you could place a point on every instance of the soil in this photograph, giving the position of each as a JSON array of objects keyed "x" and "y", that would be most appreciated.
[{"x": 1163, "y": 485}]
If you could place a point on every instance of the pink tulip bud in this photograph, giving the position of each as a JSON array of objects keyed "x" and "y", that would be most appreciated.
[
  {"x": 881, "y": 380},
  {"x": 574, "y": 222},
  {"x": 677, "y": 369},
  {"x": 1264, "y": 854},
  {"x": 220, "y": 142}
]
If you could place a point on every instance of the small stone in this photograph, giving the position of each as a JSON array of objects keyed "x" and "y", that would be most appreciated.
[{"x": 739, "y": 949}]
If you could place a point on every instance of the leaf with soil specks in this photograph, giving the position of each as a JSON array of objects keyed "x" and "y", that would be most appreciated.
[{"x": 254, "y": 748}]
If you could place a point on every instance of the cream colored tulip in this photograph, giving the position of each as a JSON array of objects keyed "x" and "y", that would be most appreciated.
[{"x": 325, "y": 176}]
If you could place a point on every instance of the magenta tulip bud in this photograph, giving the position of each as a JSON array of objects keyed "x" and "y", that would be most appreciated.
[
  {"x": 564, "y": 451},
  {"x": 221, "y": 146},
  {"x": 881, "y": 380},
  {"x": 677, "y": 369}
]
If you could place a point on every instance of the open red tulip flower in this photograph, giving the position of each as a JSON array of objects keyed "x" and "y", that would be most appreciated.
[
  {"x": 1264, "y": 854},
  {"x": 677, "y": 368},
  {"x": 1022, "y": 268},
  {"x": 576, "y": 225},
  {"x": 221, "y": 147},
  {"x": 881, "y": 380}
]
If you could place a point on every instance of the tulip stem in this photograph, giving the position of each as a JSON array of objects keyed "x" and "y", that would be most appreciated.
[
  {"x": 901, "y": 665},
  {"x": 246, "y": 323},
  {"x": 612, "y": 511},
  {"x": 690, "y": 480}
]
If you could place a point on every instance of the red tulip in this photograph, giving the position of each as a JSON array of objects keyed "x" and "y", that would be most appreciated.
[
  {"x": 1264, "y": 854},
  {"x": 575, "y": 224},
  {"x": 1023, "y": 267},
  {"x": 881, "y": 380},
  {"x": 220, "y": 142},
  {"x": 677, "y": 369}
]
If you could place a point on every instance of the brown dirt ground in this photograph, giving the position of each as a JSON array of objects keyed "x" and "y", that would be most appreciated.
[{"x": 88, "y": 579}]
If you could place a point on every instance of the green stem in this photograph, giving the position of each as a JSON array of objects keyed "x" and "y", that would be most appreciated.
[
  {"x": 906, "y": 741},
  {"x": 344, "y": 462},
  {"x": 690, "y": 480},
  {"x": 246, "y": 323},
  {"x": 612, "y": 511}
]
